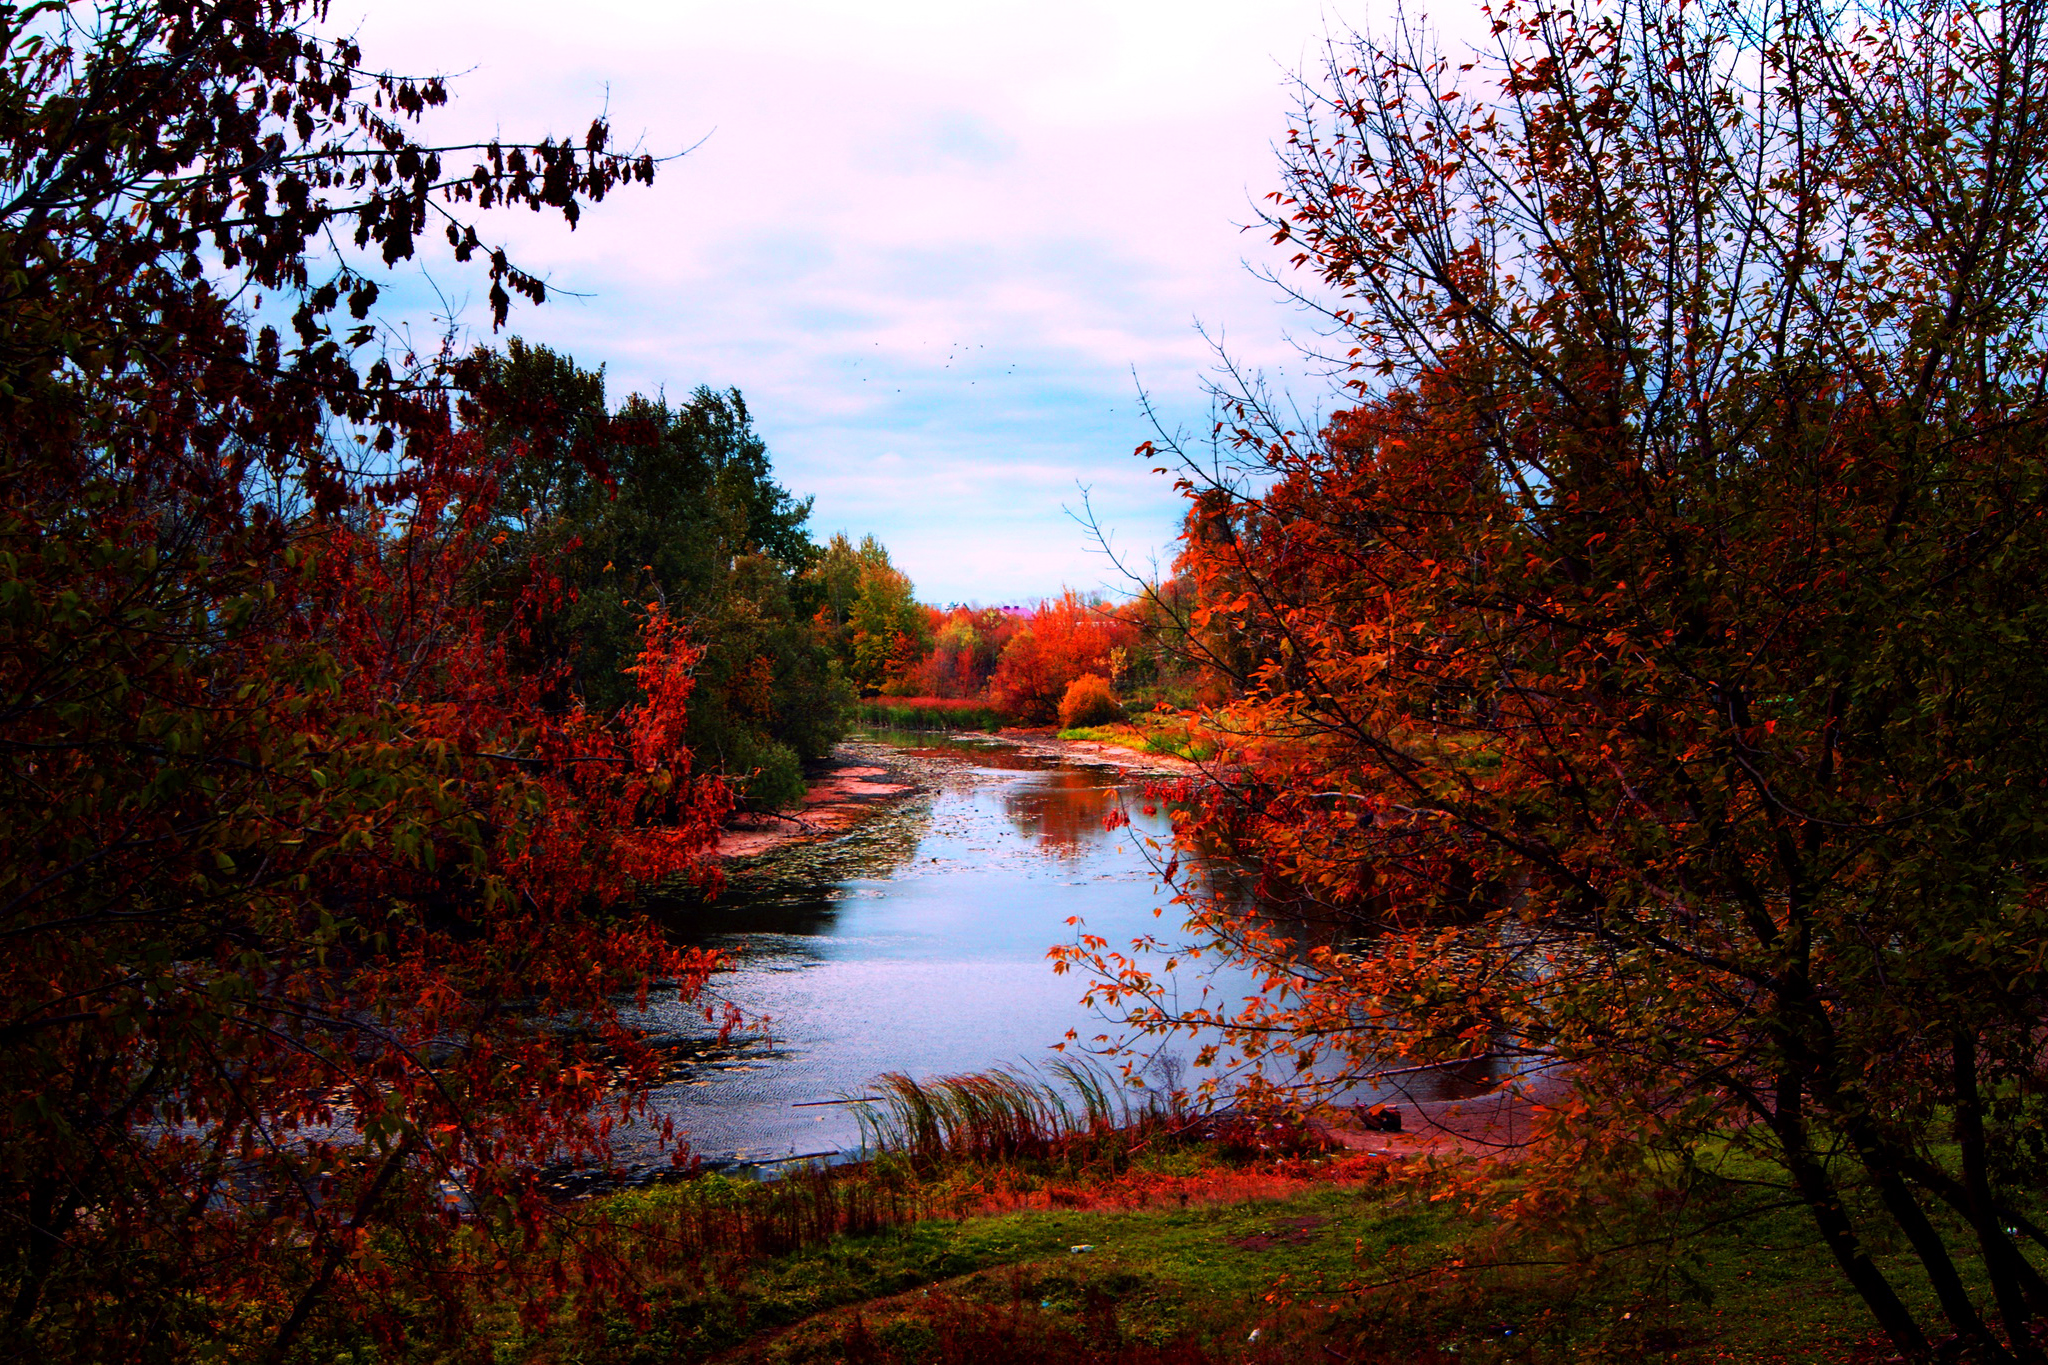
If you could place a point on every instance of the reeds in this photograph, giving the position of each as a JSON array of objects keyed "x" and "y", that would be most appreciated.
[
  {"x": 1008, "y": 1115},
  {"x": 718, "y": 1219},
  {"x": 930, "y": 713}
]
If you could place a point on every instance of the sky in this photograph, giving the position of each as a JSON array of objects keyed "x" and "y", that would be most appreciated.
[{"x": 939, "y": 248}]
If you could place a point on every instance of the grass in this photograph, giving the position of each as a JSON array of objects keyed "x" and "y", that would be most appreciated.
[
  {"x": 1082, "y": 1116},
  {"x": 1016, "y": 1219},
  {"x": 929, "y": 713},
  {"x": 1195, "y": 1263},
  {"x": 1011, "y": 1218},
  {"x": 1150, "y": 734}
]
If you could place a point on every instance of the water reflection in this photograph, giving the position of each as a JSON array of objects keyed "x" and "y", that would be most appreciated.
[
  {"x": 1063, "y": 813},
  {"x": 917, "y": 943}
]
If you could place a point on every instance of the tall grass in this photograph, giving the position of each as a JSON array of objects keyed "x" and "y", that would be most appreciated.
[
  {"x": 717, "y": 1218},
  {"x": 930, "y": 713},
  {"x": 1009, "y": 1115}
]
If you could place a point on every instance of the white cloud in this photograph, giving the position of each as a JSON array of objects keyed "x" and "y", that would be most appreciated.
[{"x": 929, "y": 242}]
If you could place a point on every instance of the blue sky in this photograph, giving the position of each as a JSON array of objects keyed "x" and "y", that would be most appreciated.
[{"x": 937, "y": 246}]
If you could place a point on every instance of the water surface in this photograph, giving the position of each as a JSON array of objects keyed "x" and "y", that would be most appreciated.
[{"x": 918, "y": 942}]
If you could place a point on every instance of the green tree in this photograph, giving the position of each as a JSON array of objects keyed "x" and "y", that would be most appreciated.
[
  {"x": 676, "y": 506},
  {"x": 877, "y": 625}
]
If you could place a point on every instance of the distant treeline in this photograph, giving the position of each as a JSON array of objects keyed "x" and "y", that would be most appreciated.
[{"x": 651, "y": 502}]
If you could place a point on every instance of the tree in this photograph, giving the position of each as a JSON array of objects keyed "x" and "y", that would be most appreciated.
[
  {"x": 1645, "y": 670},
  {"x": 1066, "y": 637},
  {"x": 676, "y": 505},
  {"x": 967, "y": 643},
  {"x": 309, "y": 902},
  {"x": 870, "y": 609}
]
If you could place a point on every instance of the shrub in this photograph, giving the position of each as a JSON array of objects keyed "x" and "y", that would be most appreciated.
[
  {"x": 776, "y": 781},
  {"x": 1088, "y": 702}
]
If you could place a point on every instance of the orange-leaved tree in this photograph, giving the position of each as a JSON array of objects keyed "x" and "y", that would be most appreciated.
[
  {"x": 1066, "y": 637},
  {"x": 1642, "y": 681},
  {"x": 311, "y": 955}
]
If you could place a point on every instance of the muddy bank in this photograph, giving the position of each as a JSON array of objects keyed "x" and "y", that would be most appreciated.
[
  {"x": 864, "y": 778},
  {"x": 859, "y": 780}
]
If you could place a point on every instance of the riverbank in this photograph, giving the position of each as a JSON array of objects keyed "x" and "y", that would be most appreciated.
[
  {"x": 858, "y": 781},
  {"x": 1137, "y": 762},
  {"x": 1190, "y": 1255},
  {"x": 863, "y": 778}
]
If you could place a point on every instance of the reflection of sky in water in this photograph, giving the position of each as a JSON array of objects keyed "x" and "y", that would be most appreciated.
[{"x": 918, "y": 943}]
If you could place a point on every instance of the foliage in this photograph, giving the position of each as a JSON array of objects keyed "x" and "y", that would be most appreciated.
[
  {"x": 676, "y": 506},
  {"x": 305, "y": 893},
  {"x": 967, "y": 642},
  {"x": 1088, "y": 701},
  {"x": 1066, "y": 637},
  {"x": 870, "y": 613},
  {"x": 1642, "y": 680},
  {"x": 930, "y": 713},
  {"x": 1160, "y": 666}
]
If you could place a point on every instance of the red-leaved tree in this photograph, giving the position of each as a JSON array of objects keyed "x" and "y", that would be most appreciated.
[
  {"x": 1640, "y": 682},
  {"x": 1066, "y": 637},
  {"x": 313, "y": 939}
]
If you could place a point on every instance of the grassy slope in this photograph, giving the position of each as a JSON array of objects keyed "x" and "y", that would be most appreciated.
[
  {"x": 1193, "y": 1281},
  {"x": 1148, "y": 734}
]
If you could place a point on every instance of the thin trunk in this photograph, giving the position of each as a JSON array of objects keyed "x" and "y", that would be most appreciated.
[
  {"x": 1950, "y": 1191},
  {"x": 1825, "y": 1204},
  {"x": 1897, "y": 1196},
  {"x": 44, "y": 1238},
  {"x": 1999, "y": 1252},
  {"x": 365, "y": 1206}
]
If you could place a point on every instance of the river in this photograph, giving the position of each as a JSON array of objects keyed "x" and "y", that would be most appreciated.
[{"x": 917, "y": 942}]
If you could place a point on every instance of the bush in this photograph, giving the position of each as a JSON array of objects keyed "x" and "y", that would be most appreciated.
[
  {"x": 1088, "y": 702},
  {"x": 775, "y": 779}
]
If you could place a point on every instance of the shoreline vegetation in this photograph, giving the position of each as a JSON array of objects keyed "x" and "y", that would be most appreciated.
[
  {"x": 861, "y": 778},
  {"x": 1005, "y": 1219}
]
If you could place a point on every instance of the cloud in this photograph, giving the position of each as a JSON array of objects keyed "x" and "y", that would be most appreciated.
[{"x": 930, "y": 243}]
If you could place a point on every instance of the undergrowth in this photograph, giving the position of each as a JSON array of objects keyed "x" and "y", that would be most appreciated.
[
  {"x": 929, "y": 713},
  {"x": 1009, "y": 1218}
]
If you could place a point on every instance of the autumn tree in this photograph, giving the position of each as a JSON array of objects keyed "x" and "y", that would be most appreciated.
[
  {"x": 967, "y": 643},
  {"x": 1066, "y": 637},
  {"x": 1646, "y": 672},
  {"x": 869, "y": 610},
  {"x": 309, "y": 898}
]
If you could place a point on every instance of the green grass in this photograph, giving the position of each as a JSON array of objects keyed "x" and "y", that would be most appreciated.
[
  {"x": 1148, "y": 735},
  {"x": 1191, "y": 1283},
  {"x": 1168, "y": 1273},
  {"x": 1006, "y": 1223},
  {"x": 928, "y": 713}
]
